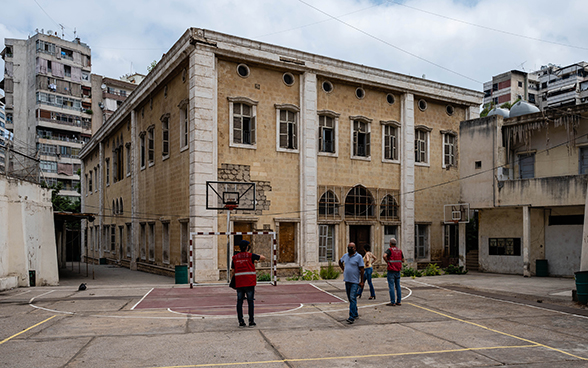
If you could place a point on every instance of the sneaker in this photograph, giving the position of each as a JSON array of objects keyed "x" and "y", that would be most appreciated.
[
  {"x": 242, "y": 324},
  {"x": 251, "y": 324},
  {"x": 391, "y": 304},
  {"x": 398, "y": 304},
  {"x": 350, "y": 320}
]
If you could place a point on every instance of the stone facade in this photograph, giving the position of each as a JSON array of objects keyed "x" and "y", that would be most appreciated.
[{"x": 311, "y": 132}]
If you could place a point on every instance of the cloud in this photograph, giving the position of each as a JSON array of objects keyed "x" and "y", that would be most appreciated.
[{"x": 128, "y": 35}]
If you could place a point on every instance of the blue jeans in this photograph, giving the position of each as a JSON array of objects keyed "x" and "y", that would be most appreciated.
[
  {"x": 250, "y": 291},
  {"x": 351, "y": 289},
  {"x": 394, "y": 283},
  {"x": 368, "y": 277}
]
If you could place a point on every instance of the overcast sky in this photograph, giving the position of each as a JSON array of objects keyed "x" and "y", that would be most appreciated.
[{"x": 459, "y": 42}]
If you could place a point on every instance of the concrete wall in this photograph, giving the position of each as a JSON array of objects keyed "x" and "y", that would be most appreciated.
[{"x": 28, "y": 240}]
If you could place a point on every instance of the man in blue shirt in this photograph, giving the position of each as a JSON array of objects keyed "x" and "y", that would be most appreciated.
[{"x": 352, "y": 265}]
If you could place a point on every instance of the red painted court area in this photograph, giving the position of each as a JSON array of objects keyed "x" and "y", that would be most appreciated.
[{"x": 221, "y": 300}]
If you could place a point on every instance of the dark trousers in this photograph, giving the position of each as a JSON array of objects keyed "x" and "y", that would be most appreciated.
[{"x": 241, "y": 292}]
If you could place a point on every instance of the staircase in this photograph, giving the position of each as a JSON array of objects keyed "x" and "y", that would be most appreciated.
[{"x": 472, "y": 260}]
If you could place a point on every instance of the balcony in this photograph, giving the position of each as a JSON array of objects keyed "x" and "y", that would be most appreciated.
[{"x": 569, "y": 190}]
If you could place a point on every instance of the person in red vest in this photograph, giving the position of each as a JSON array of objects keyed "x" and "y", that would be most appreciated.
[
  {"x": 394, "y": 259},
  {"x": 243, "y": 268}
]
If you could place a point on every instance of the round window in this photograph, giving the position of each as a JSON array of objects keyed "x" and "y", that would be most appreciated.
[
  {"x": 243, "y": 70},
  {"x": 390, "y": 98},
  {"x": 422, "y": 105},
  {"x": 449, "y": 109},
  {"x": 327, "y": 86},
  {"x": 359, "y": 93},
  {"x": 288, "y": 79}
]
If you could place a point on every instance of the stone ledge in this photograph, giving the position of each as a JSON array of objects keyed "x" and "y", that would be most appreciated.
[{"x": 8, "y": 282}]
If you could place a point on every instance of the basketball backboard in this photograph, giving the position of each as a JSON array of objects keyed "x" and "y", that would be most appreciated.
[
  {"x": 221, "y": 195},
  {"x": 456, "y": 213}
]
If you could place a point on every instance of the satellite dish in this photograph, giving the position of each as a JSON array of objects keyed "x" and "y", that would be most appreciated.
[{"x": 103, "y": 86}]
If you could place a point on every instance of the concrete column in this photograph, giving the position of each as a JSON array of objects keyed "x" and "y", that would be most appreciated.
[
  {"x": 526, "y": 241},
  {"x": 584, "y": 255},
  {"x": 97, "y": 182},
  {"x": 406, "y": 243},
  {"x": 203, "y": 160},
  {"x": 462, "y": 245},
  {"x": 308, "y": 172},
  {"x": 135, "y": 147}
]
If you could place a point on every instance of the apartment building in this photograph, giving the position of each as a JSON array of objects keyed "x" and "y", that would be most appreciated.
[
  {"x": 527, "y": 176},
  {"x": 338, "y": 151},
  {"x": 5, "y": 137},
  {"x": 511, "y": 86},
  {"x": 108, "y": 94},
  {"x": 48, "y": 103},
  {"x": 563, "y": 86}
]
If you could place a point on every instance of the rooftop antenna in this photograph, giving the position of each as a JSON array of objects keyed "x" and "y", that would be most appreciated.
[
  {"x": 75, "y": 34},
  {"x": 62, "y": 34}
]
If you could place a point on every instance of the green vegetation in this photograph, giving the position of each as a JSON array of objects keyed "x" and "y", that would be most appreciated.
[
  {"x": 410, "y": 272},
  {"x": 329, "y": 273},
  {"x": 432, "y": 270},
  {"x": 264, "y": 277},
  {"x": 457, "y": 270}
]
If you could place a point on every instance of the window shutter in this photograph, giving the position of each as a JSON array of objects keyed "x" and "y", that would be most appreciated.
[
  {"x": 253, "y": 129},
  {"x": 237, "y": 130},
  {"x": 283, "y": 134},
  {"x": 367, "y": 144},
  {"x": 294, "y": 135},
  {"x": 355, "y": 135},
  {"x": 322, "y": 147}
]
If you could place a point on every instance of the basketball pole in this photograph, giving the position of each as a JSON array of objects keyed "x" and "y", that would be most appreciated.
[{"x": 229, "y": 244}]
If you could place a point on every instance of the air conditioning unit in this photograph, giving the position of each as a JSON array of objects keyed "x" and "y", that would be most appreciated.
[{"x": 503, "y": 173}]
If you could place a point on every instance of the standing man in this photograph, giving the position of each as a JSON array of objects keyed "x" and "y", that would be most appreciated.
[
  {"x": 243, "y": 268},
  {"x": 394, "y": 259},
  {"x": 352, "y": 265}
]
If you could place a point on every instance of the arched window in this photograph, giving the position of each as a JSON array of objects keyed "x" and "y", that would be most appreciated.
[
  {"x": 389, "y": 208},
  {"x": 113, "y": 208},
  {"x": 120, "y": 206},
  {"x": 359, "y": 202},
  {"x": 329, "y": 204}
]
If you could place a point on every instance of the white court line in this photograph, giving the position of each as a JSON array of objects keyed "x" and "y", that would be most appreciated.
[
  {"x": 144, "y": 296},
  {"x": 50, "y": 310},
  {"x": 500, "y": 300},
  {"x": 213, "y": 316},
  {"x": 326, "y": 292},
  {"x": 38, "y": 296}
]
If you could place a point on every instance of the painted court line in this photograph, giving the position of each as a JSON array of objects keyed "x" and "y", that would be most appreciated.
[
  {"x": 326, "y": 292},
  {"x": 23, "y": 331},
  {"x": 144, "y": 296},
  {"x": 351, "y": 357}
]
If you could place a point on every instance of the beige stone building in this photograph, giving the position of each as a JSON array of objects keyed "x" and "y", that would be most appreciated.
[
  {"x": 339, "y": 152},
  {"x": 526, "y": 176}
]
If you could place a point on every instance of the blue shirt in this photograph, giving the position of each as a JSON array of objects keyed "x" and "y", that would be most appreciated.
[{"x": 352, "y": 264}]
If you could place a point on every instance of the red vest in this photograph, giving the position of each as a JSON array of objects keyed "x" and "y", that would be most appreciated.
[
  {"x": 395, "y": 259},
  {"x": 244, "y": 270}
]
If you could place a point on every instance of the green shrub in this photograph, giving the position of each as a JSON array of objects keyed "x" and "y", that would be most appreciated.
[
  {"x": 410, "y": 272},
  {"x": 375, "y": 275},
  {"x": 293, "y": 278},
  {"x": 264, "y": 277},
  {"x": 310, "y": 275},
  {"x": 457, "y": 270},
  {"x": 329, "y": 273},
  {"x": 432, "y": 270}
]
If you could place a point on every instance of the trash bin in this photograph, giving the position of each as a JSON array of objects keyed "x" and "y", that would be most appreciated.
[
  {"x": 181, "y": 274},
  {"x": 541, "y": 268},
  {"x": 582, "y": 286}
]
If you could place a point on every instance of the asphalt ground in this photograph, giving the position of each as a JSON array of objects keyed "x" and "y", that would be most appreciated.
[{"x": 473, "y": 320}]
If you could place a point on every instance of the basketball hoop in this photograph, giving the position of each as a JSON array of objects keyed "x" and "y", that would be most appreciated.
[{"x": 231, "y": 206}]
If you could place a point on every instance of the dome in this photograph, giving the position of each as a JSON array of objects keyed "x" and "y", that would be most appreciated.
[
  {"x": 522, "y": 108},
  {"x": 499, "y": 111}
]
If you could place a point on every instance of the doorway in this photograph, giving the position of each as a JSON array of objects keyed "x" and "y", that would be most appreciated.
[
  {"x": 360, "y": 235},
  {"x": 287, "y": 242}
]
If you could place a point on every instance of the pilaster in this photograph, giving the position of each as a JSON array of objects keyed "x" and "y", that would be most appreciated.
[
  {"x": 526, "y": 241},
  {"x": 406, "y": 243},
  {"x": 135, "y": 147}
]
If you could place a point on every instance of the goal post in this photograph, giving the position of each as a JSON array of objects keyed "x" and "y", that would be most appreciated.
[{"x": 273, "y": 257}]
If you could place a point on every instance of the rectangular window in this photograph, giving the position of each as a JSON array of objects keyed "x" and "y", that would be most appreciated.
[
  {"x": 107, "y": 163},
  {"x": 504, "y": 246},
  {"x": 114, "y": 166},
  {"x": 142, "y": 151},
  {"x": 527, "y": 166},
  {"x": 67, "y": 70},
  {"x": 150, "y": 146},
  {"x": 451, "y": 241},
  {"x": 151, "y": 241},
  {"x": 421, "y": 241},
  {"x": 128, "y": 146},
  {"x": 185, "y": 126},
  {"x": 361, "y": 139},
  {"x": 326, "y": 134},
  {"x": 112, "y": 238},
  {"x": 185, "y": 241},
  {"x": 420, "y": 146},
  {"x": 90, "y": 182},
  {"x": 165, "y": 241},
  {"x": 165, "y": 137},
  {"x": 583, "y": 160},
  {"x": 326, "y": 243},
  {"x": 243, "y": 124},
  {"x": 390, "y": 232},
  {"x": 120, "y": 241},
  {"x": 449, "y": 150},
  {"x": 143, "y": 244},
  {"x": 390, "y": 142},
  {"x": 129, "y": 240},
  {"x": 288, "y": 129}
]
